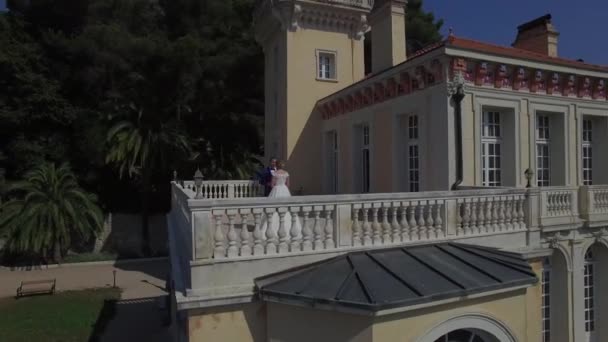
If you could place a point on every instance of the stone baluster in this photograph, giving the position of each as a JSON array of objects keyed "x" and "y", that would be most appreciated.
[
  {"x": 329, "y": 242},
  {"x": 377, "y": 238},
  {"x": 501, "y": 214},
  {"x": 233, "y": 250},
  {"x": 219, "y": 252},
  {"x": 521, "y": 215},
  {"x": 296, "y": 239},
  {"x": 245, "y": 243},
  {"x": 488, "y": 215},
  {"x": 271, "y": 235},
  {"x": 258, "y": 248},
  {"x": 422, "y": 233},
  {"x": 459, "y": 218},
  {"x": 367, "y": 229},
  {"x": 439, "y": 220},
  {"x": 386, "y": 226},
  {"x": 494, "y": 214},
  {"x": 306, "y": 231},
  {"x": 356, "y": 227},
  {"x": 481, "y": 216},
  {"x": 283, "y": 233},
  {"x": 317, "y": 229},
  {"x": 430, "y": 222},
  {"x": 509, "y": 213},
  {"x": 411, "y": 210},
  {"x": 405, "y": 227},
  {"x": 474, "y": 223},
  {"x": 396, "y": 235},
  {"x": 466, "y": 217}
]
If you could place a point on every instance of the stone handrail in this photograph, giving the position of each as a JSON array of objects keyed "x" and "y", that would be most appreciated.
[
  {"x": 225, "y": 189},
  {"x": 594, "y": 199},
  {"x": 238, "y": 228},
  {"x": 559, "y": 207}
]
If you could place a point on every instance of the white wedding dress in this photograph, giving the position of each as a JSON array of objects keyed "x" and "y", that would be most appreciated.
[{"x": 280, "y": 190}]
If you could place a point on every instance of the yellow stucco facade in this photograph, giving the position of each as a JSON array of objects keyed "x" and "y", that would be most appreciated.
[{"x": 517, "y": 312}]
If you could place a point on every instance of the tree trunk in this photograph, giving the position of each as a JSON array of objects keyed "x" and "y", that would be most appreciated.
[
  {"x": 145, "y": 213},
  {"x": 57, "y": 252}
]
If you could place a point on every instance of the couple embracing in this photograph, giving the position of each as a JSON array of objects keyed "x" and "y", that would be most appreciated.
[
  {"x": 276, "y": 185},
  {"x": 275, "y": 179}
]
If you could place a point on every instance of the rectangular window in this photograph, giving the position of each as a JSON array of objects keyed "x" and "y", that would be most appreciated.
[
  {"x": 588, "y": 278},
  {"x": 546, "y": 301},
  {"x": 491, "y": 149},
  {"x": 365, "y": 158},
  {"x": 413, "y": 156},
  {"x": 587, "y": 152},
  {"x": 543, "y": 143},
  {"x": 326, "y": 65}
]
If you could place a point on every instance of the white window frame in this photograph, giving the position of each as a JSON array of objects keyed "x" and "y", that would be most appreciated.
[
  {"x": 413, "y": 153},
  {"x": 543, "y": 150},
  {"x": 587, "y": 151},
  {"x": 590, "y": 302},
  {"x": 491, "y": 139},
  {"x": 326, "y": 71},
  {"x": 546, "y": 301}
]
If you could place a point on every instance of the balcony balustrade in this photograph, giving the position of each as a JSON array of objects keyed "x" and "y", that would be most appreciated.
[{"x": 226, "y": 224}]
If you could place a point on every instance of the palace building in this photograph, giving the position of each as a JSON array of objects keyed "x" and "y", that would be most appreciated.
[{"x": 456, "y": 194}]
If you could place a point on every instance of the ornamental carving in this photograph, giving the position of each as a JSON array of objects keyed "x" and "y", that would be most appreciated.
[
  {"x": 481, "y": 73},
  {"x": 367, "y": 96},
  {"x": 419, "y": 78},
  {"x": 599, "y": 90},
  {"x": 584, "y": 89},
  {"x": 537, "y": 83},
  {"x": 569, "y": 87},
  {"x": 520, "y": 79},
  {"x": 404, "y": 84},
  {"x": 553, "y": 84},
  {"x": 436, "y": 71},
  {"x": 502, "y": 79},
  {"x": 391, "y": 88}
]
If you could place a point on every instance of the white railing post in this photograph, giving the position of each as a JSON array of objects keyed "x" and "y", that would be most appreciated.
[{"x": 344, "y": 225}]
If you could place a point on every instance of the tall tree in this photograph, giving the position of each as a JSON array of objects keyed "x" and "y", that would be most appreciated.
[{"x": 48, "y": 208}]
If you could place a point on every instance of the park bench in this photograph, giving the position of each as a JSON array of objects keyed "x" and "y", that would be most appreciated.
[{"x": 36, "y": 287}]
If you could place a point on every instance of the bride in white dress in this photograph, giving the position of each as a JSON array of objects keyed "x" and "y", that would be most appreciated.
[{"x": 280, "y": 189}]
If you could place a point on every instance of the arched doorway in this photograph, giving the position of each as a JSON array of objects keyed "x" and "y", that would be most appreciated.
[{"x": 467, "y": 335}]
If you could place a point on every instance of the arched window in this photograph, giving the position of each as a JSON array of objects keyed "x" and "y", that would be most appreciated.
[
  {"x": 546, "y": 300},
  {"x": 589, "y": 280},
  {"x": 463, "y": 335}
]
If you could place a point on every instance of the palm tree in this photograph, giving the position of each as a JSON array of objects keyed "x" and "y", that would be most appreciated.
[
  {"x": 139, "y": 145},
  {"x": 48, "y": 208}
]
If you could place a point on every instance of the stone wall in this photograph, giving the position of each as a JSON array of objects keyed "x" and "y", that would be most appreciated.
[{"x": 122, "y": 235}]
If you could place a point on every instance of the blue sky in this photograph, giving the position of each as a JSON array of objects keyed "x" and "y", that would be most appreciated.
[
  {"x": 583, "y": 24},
  {"x": 2, "y": 5}
]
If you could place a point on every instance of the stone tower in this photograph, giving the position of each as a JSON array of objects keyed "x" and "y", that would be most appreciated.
[{"x": 312, "y": 49}]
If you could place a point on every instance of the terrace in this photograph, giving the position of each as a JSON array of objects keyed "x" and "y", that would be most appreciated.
[{"x": 218, "y": 247}]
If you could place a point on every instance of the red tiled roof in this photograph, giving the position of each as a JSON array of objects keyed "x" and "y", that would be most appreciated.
[{"x": 474, "y": 45}]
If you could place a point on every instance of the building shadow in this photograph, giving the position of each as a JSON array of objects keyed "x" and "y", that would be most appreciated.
[{"x": 129, "y": 320}]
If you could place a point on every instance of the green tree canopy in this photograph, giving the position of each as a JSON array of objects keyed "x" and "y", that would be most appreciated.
[{"x": 48, "y": 208}]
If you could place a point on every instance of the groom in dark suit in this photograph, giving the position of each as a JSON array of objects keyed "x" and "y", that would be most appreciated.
[{"x": 266, "y": 176}]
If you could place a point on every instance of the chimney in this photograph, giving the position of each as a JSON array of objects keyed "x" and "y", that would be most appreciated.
[
  {"x": 538, "y": 35},
  {"x": 388, "y": 34}
]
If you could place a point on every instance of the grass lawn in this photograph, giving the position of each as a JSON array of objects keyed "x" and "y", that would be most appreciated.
[{"x": 65, "y": 316}]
